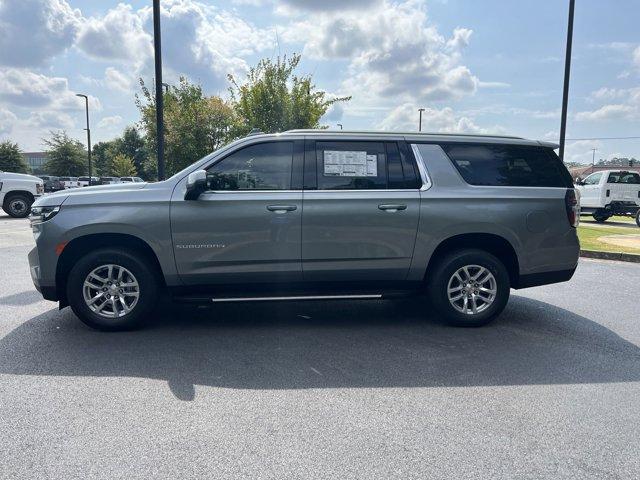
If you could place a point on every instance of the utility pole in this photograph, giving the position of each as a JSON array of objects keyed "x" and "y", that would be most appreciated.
[
  {"x": 593, "y": 160},
  {"x": 157, "y": 47},
  {"x": 420, "y": 110},
  {"x": 86, "y": 107},
  {"x": 567, "y": 74}
]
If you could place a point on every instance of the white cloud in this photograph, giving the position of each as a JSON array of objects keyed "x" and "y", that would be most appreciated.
[
  {"x": 636, "y": 56},
  {"x": 392, "y": 49},
  {"x": 108, "y": 122},
  {"x": 116, "y": 80},
  {"x": 200, "y": 41},
  {"x": 609, "y": 112},
  {"x": 28, "y": 89},
  {"x": 287, "y": 7},
  {"x": 33, "y": 31},
  {"x": 50, "y": 120},
  {"x": 207, "y": 43},
  {"x": 445, "y": 120},
  {"x": 7, "y": 120},
  {"x": 118, "y": 35}
]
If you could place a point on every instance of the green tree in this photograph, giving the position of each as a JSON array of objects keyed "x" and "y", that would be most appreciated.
[
  {"x": 275, "y": 99},
  {"x": 123, "y": 166},
  {"x": 130, "y": 144},
  {"x": 195, "y": 125},
  {"x": 66, "y": 155},
  {"x": 102, "y": 157},
  {"x": 11, "y": 159}
]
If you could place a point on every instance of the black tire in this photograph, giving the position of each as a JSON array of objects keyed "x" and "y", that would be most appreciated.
[
  {"x": 600, "y": 217},
  {"x": 443, "y": 271},
  {"x": 638, "y": 218},
  {"x": 17, "y": 205},
  {"x": 138, "y": 265}
]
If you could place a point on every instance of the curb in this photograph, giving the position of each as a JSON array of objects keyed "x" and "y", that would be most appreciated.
[{"x": 619, "y": 256}]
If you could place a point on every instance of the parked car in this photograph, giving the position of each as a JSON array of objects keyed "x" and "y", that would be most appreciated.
[
  {"x": 18, "y": 191},
  {"x": 84, "y": 181},
  {"x": 70, "y": 182},
  {"x": 131, "y": 180},
  {"x": 307, "y": 215},
  {"x": 109, "y": 180},
  {"x": 52, "y": 183},
  {"x": 610, "y": 192}
]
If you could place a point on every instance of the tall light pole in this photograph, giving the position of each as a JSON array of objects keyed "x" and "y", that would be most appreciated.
[
  {"x": 86, "y": 107},
  {"x": 340, "y": 125},
  {"x": 593, "y": 159},
  {"x": 420, "y": 110},
  {"x": 567, "y": 74},
  {"x": 157, "y": 47}
]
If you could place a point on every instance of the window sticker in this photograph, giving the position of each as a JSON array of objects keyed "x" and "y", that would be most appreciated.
[{"x": 341, "y": 163}]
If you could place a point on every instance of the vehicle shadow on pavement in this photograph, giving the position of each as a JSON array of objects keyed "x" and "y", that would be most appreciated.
[
  {"x": 23, "y": 298},
  {"x": 381, "y": 344}
]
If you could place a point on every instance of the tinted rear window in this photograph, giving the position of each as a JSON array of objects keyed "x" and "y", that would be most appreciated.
[
  {"x": 624, "y": 177},
  {"x": 508, "y": 165}
]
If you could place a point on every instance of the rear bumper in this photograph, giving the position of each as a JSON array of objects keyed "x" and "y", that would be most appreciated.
[{"x": 544, "y": 278}]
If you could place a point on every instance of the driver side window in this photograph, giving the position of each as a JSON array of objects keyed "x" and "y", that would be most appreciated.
[
  {"x": 263, "y": 166},
  {"x": 593, "y": 179}
]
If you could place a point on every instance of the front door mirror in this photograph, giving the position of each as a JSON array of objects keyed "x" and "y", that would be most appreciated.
[{"x": 196, "y": 184}]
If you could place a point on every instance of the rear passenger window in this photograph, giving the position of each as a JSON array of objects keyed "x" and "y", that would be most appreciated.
[
  {"x": 508, "y": 165},
  {"x": 624, "y": 177},
  {"x": 351, "y": 165}
]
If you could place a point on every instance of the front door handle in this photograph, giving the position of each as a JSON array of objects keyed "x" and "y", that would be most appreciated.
[
  {"x": 281, "y": 208},
  {"x": 392, "y": 207}
]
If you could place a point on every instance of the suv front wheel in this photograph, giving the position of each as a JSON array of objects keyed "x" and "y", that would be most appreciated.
[
  {"x": 112, "y": 289},
  {"x": 469, "y": 288}
]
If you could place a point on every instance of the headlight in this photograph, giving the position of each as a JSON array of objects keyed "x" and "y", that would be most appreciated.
[{"x": 42, "y": 214}]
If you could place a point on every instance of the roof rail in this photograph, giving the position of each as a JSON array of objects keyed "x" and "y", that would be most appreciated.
[{"x": 378, "y": 132}]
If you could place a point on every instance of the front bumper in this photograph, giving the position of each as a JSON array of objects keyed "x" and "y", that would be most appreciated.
[{"x": 48, "y": 292}]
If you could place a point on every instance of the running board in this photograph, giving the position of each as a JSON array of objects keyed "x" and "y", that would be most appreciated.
[{"x": 295, "y": 298}]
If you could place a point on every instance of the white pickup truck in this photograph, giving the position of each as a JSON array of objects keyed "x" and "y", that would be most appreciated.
[
  {"x": 610, "y": 192},
  {"x": 18, "y": 191}
]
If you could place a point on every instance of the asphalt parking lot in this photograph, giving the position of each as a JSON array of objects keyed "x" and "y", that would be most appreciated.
[{"x": 324, "y": 390}]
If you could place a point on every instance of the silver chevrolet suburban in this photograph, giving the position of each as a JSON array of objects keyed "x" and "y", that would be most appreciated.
[{"x": 306, "y": 215}]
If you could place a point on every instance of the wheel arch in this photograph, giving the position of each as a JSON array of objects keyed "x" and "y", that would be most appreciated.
[
  {"x": 84, "y": 244},
  {"x": 494, "y": 244},
  {"x": 13, "y": 193}
]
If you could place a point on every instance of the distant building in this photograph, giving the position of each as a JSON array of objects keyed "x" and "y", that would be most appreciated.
[{"x": 36, "y": 161}]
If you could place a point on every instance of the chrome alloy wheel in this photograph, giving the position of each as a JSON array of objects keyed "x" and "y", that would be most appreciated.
[
  {"x": 111, "y": 291},
  {"x": 472, "y": 289}
]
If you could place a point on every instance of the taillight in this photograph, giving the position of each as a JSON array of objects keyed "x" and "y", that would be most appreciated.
[{"x": 572, "y": 202}]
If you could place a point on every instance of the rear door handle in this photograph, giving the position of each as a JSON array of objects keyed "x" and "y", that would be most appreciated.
[
  {"x": 281, "y": 208},
  {"x": 392, "y": 207}
]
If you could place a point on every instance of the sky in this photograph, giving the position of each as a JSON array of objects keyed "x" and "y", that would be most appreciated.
[{"x": 490, "y": 66}]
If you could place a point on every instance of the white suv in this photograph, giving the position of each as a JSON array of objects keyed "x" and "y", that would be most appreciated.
[{"x": 18, "y": 191}]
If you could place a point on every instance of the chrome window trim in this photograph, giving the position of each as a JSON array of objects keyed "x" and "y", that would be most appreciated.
[
  {"x": 422, "y": 168},
  {"x": 392, "y": 190}
]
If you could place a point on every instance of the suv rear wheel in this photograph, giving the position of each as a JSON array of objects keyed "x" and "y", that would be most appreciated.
[
  {"x": 469, "y": 288},
  {"x": 17, "y": 205},
  {"x": 112, "y": 289}
]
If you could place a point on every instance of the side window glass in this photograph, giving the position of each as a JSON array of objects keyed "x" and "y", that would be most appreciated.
[
  {"x": 264, "y": 166},
  {"x": 351, "y": 165},
  {"x": 593, "y": 179}
]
